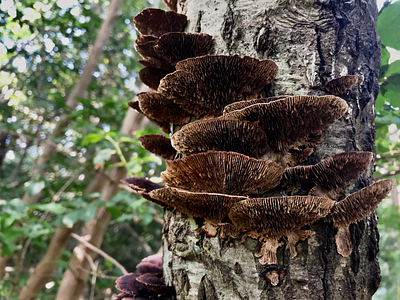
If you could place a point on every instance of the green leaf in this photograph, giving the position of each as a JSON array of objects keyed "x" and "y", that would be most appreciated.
[
  {"x": 35, "y": 188},
  {"x": 55, "y": 208},
  {"x": 385, "y": 55},
  {"x": 103, "y": 155},
  {"x": 394, "y": 68},
  {"x": 388, "y": 25},
  {"x": 380, "y": 101},
  {"x": 393, "y": 97},
  {"x": 91, "y": 138}
]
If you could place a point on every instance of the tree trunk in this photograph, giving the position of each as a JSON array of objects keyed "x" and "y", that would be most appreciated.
[
  {"x": 47, "y": 265},
  {"x": 74, "y": 280},
  {"x": 311, "y": 42}
]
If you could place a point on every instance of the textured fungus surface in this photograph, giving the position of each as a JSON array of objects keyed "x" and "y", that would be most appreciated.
[
  {"x": 156, "y": 22},
  {"x": 341, "y": 85},
  {"x": 221, "y": 134},
  {"x": 205, "y": 85},
  {"x": 163, "y": 125},
  {"x": 222, "y": 172},
  {"x": 294, "y": 122},
  {"x": 269, "y": 219},
  {"x": 143, "y": 187},
  {"x": 159, "y": 108},
  {"x": 245, "y": 103},
  {"x": 158, "y": 144},
  {"x": 354, "y": 208},
  {"x": 176, "y": 46},
  {"x": 151, "y": 76},
  {"x": 330, "y": 176},
  {"x": 210, "y": 206}
]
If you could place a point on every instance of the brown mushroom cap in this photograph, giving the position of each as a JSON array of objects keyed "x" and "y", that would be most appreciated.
[
  {"x": 354, "y": 208},
  {"x": 151, "y": 264},
  {"x": 331, "y": 175},
  {"x": 129, "y": 284},
  {"x": 151, "y": 76},
  {"x": 176, "y": 46},
  {"x": 158, "y": 144},
  {"x": 205, "y": 85},
  {"x": 269, "y": 219},
  {"x": 242, "y": 104},
  {"x": 157, "y": 107},
  {"x": 221, "y": 134},
  {"x": 341, "y": 85},
  {"x": 143, "y": 187},
  {"x": 273, "y": 274},
  {"x": 294, "y": 122},
  {"x": 156, "y": 284},
  {"x": 212, "y": 207},
  {"x": 222, "y": 172},
  {"x": 154, "y": 21},
  {"x": 144, "y": 45},
  {"x": 163, "y": 125}
]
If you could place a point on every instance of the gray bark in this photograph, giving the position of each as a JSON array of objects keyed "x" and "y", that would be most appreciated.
[{"x": 312, "y": 42}]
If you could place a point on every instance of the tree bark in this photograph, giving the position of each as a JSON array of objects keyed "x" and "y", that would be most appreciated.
[
  {"x": 80, "y": 88},
  {"x": 312, "y": 42}
]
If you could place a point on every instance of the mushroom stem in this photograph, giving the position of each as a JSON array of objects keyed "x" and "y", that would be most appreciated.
[
  {"x": 343, "y": 241},
  {"x": 268, "y": 250},
  {"x": 294, "y": 237}
]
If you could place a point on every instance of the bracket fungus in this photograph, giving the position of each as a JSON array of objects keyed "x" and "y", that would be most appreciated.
[
  {"x": 270, "y": 219},
  {"x": 354, "y": 208},
  {"x": 143, "y": 187},
  {"x": 162, "y": 53},
  {"x": 330, "y": 176},
  {"x": 222, "y": 172},
  {"x": 132, "y": 289},
  {"x": 204, "y": 85},
  {"x": 157, "y": 107},
  {"x": 245, "y": 103},
  {"x": 294, "y": 123},
  {"x": 171, "y": 4},
  {"x": 221, "y": 134},
  {"x": 163, "y": 125},
  {"x": 341, "y": 85},
  {"x": 151, "y": 264},
  {"x": 212, "y": 207},
  {"x": 156, "y": 22},
  {"x": 158, "y": 144}
]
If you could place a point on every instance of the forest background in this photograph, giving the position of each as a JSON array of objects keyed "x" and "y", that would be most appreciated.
[{"x": 47, "y": 50}]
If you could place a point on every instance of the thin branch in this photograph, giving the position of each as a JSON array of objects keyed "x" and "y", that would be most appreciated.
[
  {"x": 382, "y": 176},
  {"x": 98, "y": 251}
]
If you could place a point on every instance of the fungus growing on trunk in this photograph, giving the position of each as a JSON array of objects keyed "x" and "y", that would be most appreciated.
[
  {"x": 293, "y": 123},
  {"x": 205, "y": 85},
  {"x": 354, "y": 208},
  {"x": 221, "y": 134},
  {"x": 163, "y": 125},
  {"x": 212, "y": 207},
  {"x": 151, "y": 264},
  {"x": 156, "y": 22},
  {"x": 131, "y": 288},
  {"x": 158, "y": 144},
  {"x": 245, "y": 103},
  {"x": 330, "y": 176},
  {"x": 171, "y": 4},
  {"x": 341, "y": 85},
  {"x": 273, "y": 274},
  {"x": 159, "y": 108},
  {"x": 270, "y": 219},
  {"x": 151, "y": 76},
  {"x": 222, "y": 172},
  {"x": 156, "y": 283},
  {"x": 142, "y": 187}
]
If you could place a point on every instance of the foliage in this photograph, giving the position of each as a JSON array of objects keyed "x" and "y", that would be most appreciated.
[{"x": 43, "y": 48}]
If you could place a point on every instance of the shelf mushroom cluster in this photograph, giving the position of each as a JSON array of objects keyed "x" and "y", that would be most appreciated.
[{"x": 241, "y": 147}]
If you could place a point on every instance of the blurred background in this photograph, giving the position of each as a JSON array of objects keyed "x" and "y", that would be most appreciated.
[{"x": 44, "y": 46}]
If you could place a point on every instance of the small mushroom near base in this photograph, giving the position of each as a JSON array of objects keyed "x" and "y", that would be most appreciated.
[{"x": 273, "y": 274}]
